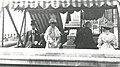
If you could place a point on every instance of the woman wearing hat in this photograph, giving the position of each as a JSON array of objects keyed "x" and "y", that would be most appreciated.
[
  {"x": 107, "y": 40},
  {"x": 52, "y": 35}
]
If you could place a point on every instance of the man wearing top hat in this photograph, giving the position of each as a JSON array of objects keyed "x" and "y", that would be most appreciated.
[{"x": 32, "y": 39}]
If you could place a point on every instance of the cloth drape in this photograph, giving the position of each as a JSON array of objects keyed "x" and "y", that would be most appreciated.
[{"x": 42, "y": 20}]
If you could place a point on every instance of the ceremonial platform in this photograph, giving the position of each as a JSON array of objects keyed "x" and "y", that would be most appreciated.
[{"x": 29, "y": 57}]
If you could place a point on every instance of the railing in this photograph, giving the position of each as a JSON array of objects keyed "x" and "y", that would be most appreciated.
[
  {"x": 9, "y": 40},
  {"x": 10, "y": 35},
  {"x": 60, "y": 57}
]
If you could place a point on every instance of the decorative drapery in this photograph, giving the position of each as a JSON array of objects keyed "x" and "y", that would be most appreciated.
[
  {"x": 56, "y": 3},
  {"x": 40, "y": 10},
  {"x": 21, "y": 4},
  {"x": 42, "y": 17}
]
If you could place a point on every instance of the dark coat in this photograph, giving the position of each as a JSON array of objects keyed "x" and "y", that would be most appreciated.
[
  {"x": 84, "y": 39},
  {"x": 37, "y": 38}
]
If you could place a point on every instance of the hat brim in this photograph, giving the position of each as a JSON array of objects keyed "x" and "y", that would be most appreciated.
[
  {"x": 107, "y": 26},
  {"x": 52, "y": 22}
]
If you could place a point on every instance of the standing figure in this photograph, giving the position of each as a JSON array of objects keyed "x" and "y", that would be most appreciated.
[
  {"x": 107, "y": 40},
  {"x": 84, "y": 37},
  {"x": 32, "y": 39},
  {"x": 52, "y": 35}
]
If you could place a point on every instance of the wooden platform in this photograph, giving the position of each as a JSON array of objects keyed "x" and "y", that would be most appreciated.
[{"x": 59, "y": 57}]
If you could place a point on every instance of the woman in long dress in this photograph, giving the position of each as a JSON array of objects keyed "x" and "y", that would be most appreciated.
[
  {"x": 107, "y": 40},
  {"x": 52, "y": 35}
]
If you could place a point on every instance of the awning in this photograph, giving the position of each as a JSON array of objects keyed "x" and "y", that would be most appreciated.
[
  {"x": 93, "y": 9},
  {"x": 56, "y": 3},
  {"x": 40, "y": 10}
]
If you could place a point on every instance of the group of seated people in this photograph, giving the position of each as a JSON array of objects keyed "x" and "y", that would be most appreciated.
[
  {"x": 83, "y": 40},
  {"x": 50, "y": 39},
  {"x": 106, "y": 40}
]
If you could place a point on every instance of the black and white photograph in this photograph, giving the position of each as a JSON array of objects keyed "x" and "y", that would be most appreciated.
[{"x": 59, "y": 33}]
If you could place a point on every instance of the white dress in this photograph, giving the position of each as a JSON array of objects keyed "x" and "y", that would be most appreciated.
[
  {"x": 107, "y": 41},
  {"x": 52, "y": 36}
]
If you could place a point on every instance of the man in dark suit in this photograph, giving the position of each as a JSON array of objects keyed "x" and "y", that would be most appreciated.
[
  {"x": 84, "y": 37},
  {"x": 33, "y": 38}
]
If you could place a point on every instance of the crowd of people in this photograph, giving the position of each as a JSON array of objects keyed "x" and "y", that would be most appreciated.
[{"x": 83, "y": 40}]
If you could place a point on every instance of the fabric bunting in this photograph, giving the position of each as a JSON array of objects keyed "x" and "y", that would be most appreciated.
[{"x": 41, "y": 10}]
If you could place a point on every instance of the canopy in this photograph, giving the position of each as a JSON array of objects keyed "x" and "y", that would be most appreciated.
[
  {"x": 41, "y": 10},
  {"x": 56, "y": 3}
]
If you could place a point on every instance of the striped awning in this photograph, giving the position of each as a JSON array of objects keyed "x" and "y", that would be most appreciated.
[
  {"x": 21, "y": 4},
  {"x": 39, "y": 9}
]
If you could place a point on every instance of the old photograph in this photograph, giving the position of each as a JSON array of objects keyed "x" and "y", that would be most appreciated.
[{"x": 59, "y": 33}]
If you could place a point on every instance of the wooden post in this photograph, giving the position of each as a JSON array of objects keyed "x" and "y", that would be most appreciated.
[
  {"x": 25, "y": 23},
  {"x": 7, "y": 8},
  {"x": 21, "y": 27},
  {"x": 81, "y": 17},
  {"x": 22, "y": 23},
  {"x": 3, "y": 28},
  {"x": 112, "y": 21},
  {"x": 118, "y": 25}
]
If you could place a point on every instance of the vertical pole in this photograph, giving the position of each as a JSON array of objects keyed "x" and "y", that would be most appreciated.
[
  {"x": 112, "y": 16},
  {"x": 21, "y": 28},
  {"x": 118, "y": 25},
  {"x": 22, "y": 23},
  {"x": 81, "y": 18},
  {"x": 3, "y": 28},
  {"x": 112, "y": 21},
  {"x": 25, "y": 23}
]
